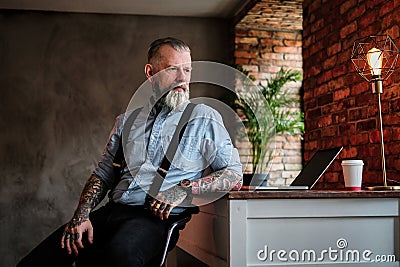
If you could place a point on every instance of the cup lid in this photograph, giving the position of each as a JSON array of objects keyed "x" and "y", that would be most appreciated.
[{"x": 352, "y": 162}]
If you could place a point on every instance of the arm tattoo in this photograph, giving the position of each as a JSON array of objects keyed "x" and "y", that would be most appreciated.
[
  {"x": 92, "y": 194},
  {"x": 222, "y": 180},
  {"x": 174, "y": 194}
]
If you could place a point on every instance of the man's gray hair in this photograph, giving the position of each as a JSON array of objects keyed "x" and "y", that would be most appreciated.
[{"x": 176, "y": 44}]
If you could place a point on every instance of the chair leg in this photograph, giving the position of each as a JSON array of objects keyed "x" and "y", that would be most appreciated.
[
  {"x": 176, "y": 226},
  {"x": 170, "y": 232},
  {"x": 171, "y": 259}
]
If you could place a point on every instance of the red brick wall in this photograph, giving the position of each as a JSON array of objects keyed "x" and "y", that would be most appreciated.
[
  {"x": 263, "y": 52},
  {"x": 339, "y": 106}
]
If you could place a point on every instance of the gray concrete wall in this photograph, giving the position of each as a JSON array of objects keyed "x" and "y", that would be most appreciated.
[{"x": 63, "y": 79}]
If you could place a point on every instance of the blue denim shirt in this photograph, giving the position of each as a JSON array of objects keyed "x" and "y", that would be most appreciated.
[{"x": 205, "y": 143}]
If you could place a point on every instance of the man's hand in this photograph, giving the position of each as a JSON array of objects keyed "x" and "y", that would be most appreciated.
[
  {"x": 165, "y": 201},
  {"x": 72, "y": 236},
  {"x": 92, "y": 194}
]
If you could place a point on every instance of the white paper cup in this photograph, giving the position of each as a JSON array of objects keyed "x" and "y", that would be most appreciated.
[{"x": 352, "y": 172}]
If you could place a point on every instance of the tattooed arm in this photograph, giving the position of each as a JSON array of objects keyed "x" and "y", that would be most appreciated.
[
  {"x": 165, "y": 201},
  {"x": 92, "y": 194},
  {"x": 222, "y": 180}
]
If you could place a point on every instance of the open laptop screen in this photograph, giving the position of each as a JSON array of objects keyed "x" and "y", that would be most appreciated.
[{"x": 315, "y": 167}]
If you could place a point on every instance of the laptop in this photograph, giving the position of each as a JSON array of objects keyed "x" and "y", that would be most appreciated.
[{"x": 311, "y": 172}]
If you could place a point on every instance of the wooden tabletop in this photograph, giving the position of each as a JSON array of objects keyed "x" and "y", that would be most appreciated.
[{"x": 246, "y": 194}]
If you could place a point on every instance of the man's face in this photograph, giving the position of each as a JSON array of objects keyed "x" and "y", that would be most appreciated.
[{"x": 171, "y": 71}]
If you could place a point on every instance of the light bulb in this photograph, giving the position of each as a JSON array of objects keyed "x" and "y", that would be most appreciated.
[{"x": 374, "y": 57}]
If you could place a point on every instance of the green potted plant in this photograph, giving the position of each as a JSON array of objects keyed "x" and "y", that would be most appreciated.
[{"x": 266, "y": 111}]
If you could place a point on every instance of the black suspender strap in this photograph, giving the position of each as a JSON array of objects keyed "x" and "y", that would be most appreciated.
[
  {"x": 169, "y": 155},
  {"x": 119, "y": 155}
]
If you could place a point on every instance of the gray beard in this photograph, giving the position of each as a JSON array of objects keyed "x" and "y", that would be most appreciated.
[{"x": 175, "y": 99}]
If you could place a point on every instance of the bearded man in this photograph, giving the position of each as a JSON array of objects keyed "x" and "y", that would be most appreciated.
[{"x": 130, "y": 230}]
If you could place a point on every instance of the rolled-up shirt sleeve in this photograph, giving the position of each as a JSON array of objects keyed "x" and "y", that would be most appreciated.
[
  {"x": 104, "y": 169},
  {"x": 219, "y": 149}
]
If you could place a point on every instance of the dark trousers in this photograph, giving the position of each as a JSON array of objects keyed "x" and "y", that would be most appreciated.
[{"x": 123, "y": 236}]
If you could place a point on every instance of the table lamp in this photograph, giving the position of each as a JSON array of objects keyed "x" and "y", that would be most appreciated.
[{"x": 375, "y": 58}]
